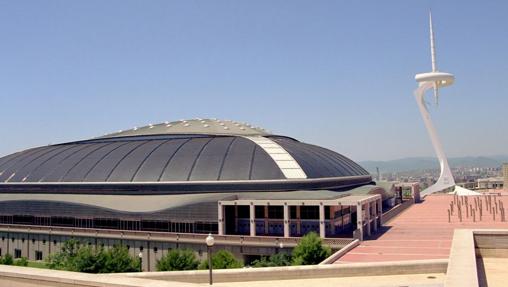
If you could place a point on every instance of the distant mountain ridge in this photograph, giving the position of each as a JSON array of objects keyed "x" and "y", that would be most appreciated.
[{"x": 420, "y": 163}]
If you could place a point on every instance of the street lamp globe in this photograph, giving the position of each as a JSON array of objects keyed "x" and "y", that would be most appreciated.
[
  {"x": 140, "y": 255},
  {"x": 210, "y": 241},
  {"x": 281, "y": 245}
]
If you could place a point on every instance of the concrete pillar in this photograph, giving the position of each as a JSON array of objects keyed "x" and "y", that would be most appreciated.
[
  {"x": 359, "y": 221},
  {"x": 322, "y": 230},
  {"x": 252, "y": 219},
  {"x": 221, "y": 219},
  {"x": 368, "y": 218},
  {"x": 374, "y": 212},
  {"x": 286, "y": 220}
]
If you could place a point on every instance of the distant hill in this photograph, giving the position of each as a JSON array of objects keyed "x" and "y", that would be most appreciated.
[{"x": 420, "y": 163}]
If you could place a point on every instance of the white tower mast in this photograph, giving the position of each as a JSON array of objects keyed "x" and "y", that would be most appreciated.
[{"x": 428, "y": 81}]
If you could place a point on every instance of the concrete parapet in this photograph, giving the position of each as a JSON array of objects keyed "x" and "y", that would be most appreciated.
[
  {"x": 335, "y": 256},
  {"x": 34, "y": 277},
  {"x": 462, "y": 270},
  {"x": 302, "y": 272}
]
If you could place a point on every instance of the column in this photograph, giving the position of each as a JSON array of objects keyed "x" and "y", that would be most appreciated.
[
  {"x": 359, "y": 221},
  {"x": 286, "y": 220},
  {"x": 380, "y": 212},
  {"x": 374, "y": 210},
  {"x": 322, "y": 230},
  {"x": 367, "y": 219},
  {"x": 252, "y": 221},
  {"x": 221, "y": 219}
]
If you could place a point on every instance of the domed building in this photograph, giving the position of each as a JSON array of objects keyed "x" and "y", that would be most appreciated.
[{"x": 190, "y": 176}]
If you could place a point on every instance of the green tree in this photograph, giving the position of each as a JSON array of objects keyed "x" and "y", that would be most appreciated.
[
  {"x": 222, "y": 259},
  {"x": 279, "y": 259},
  {"x": 178, "y": 259},
  {"x": 64, "y": 259},
  {"x": 310, "y": 250}
]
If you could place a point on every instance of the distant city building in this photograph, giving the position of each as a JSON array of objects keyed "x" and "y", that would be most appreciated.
[{"x": 490, "y": 183}]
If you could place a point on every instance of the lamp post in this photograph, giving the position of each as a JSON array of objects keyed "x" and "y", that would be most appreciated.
[
  {"x": 210, "y": 241},
  {"x": 140, "y": 255}
]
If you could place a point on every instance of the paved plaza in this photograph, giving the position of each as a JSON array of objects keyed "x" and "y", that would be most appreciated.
[{"x": 423, "y": 231}]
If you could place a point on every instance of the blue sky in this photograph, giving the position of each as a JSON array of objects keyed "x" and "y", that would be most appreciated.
[{"x": 334, "y": 73}]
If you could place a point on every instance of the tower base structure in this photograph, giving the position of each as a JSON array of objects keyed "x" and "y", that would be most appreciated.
[{"x": 428, "y": 81}]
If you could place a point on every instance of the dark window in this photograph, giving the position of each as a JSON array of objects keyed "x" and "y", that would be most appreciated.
[
  {"x": 155, "y": 225},
  {"x": 309, "y": 212},
  {"x": 276, "y": 212},
  {"x": 0, "y": 251},
  {"x": 44, "y": 242},
  {"x": 3, "y": 238},
  {"x": 141, "y": 248},
  {"x": 12, "y": 239},
  {"x": 38, "y": 255},
  {"x": 292, "y": 212},
  {"x": 17, "y": 253},
  {"x": 62, "y": 221},
  {"x": 23, "y": 240},
  {"x": 243, "y": 211},
  {"x": 260, "y": 211},
  {"x": 155, "y": 249},
  {"x": 33, "y": 241},
  {"x": 54, "y": 242},
  {"x": 128, "y": 247}
]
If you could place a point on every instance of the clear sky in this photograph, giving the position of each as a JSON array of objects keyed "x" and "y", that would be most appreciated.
[{"x": 335, "y": 73}]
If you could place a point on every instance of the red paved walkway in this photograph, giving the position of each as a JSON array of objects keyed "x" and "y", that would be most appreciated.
[{"x": 423, "y": 231}]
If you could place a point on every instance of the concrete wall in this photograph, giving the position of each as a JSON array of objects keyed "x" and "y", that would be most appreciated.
[{"x": 152, "y": 250}]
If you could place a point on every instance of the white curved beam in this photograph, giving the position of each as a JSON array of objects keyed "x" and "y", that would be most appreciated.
[{"x": 445, "y": 178}]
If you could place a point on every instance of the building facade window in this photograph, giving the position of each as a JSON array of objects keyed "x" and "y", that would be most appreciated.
[
  {"x": 17, "y": 253},
  {"x": 38, "y": 255}
]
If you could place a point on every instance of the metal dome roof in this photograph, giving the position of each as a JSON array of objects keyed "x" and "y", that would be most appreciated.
[
  {"x": 155, "y": 155},
  {"x": 193, "y": 126}
]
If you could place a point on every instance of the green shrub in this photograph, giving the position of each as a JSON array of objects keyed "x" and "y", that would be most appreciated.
[
  {"x": 178, "y": 259},
  {"x": 75, "y": 257},
  {"x": 117, "y": 259},
  {"x": 21, "y": 262},
  {"x": 7, "y": 259},
  {"x": 310, "y": 250},
  {"x": 222, "y": 259},
  {"x": 279, "y": 259}
]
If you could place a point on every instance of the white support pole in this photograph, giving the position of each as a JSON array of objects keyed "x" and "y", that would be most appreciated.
[
  {"x": 252, "y": 219},
  {"x": 322, "y": 230},
  {"x": 221, "y": 219},
  {"x": 374, "y": 211},
  {"x": 286, "y": 220},
  {"x": 359, "y": 221}
]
